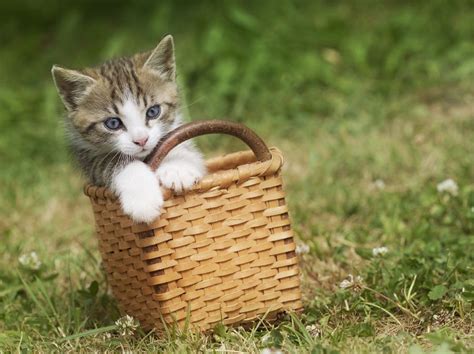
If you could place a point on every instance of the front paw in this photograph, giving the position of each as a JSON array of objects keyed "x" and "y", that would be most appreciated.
[
  {"x": 179, "y": 175},
  {"x": 143, "y": 204},
  {"x": 140, "y": 194}
]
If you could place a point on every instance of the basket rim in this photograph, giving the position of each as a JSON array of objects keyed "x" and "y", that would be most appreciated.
[{"x": 247, "y": 167}]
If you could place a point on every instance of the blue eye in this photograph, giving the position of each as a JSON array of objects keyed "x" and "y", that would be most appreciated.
[
  {"x": 113, "y": 123},
  {"x": 153, "y": 112}
]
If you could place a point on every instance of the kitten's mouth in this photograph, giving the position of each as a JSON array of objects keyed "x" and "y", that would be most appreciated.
[{"x": 144, "y": 152}]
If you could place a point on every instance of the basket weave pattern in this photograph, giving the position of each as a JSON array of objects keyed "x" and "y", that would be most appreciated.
[{"x": 222, "y": 251}]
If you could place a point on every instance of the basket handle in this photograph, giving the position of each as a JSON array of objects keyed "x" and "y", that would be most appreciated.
[{"x": 203, "y": 127}]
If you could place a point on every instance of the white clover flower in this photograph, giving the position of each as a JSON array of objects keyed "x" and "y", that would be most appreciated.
[
  {"x": 346, "y": 283},
  {"x": 379, "y": 251},
  {"x": 127, "y": 325},
  {"x": 448, "y": 186},
  {"x": 302, "y": 249},
  {"x": 379, "y": 184},
  {"x": 351, "y": 282},
  {"x": 30, "y": 261}
]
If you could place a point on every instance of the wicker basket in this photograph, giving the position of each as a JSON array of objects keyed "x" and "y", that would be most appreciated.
[{"x": 222, "y": 251}]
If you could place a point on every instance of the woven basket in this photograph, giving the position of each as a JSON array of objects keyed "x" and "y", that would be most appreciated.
[{"x": 222, "y": 251}]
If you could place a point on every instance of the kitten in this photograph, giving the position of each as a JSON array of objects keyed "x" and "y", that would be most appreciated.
[{"x": 116, "y": 114}]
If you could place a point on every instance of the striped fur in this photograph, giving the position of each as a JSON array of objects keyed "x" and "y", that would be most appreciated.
[{"x": 115, "y": 89}]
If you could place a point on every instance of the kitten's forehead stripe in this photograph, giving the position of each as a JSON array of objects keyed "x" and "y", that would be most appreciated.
[
  {"x": 139, "y": 91},
  {"x": 113, "y": 95},
  {"x": 104, "y": 74},
  {"x": 115, "y": 108}
]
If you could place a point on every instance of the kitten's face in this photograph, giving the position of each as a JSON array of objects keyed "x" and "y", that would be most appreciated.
[
  {"x": 128, "y": 109},
  {"x": 125, "y": 105}
]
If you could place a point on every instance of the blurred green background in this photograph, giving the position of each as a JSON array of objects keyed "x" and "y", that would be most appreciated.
[
  {"x": 370, "y": 101},
  {"x": 295, "y": 62}
]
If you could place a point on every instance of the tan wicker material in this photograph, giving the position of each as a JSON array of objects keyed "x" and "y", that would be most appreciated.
[{"x": 221, "y": 252}]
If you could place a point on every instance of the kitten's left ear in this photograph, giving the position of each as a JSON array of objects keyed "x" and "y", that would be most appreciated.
[
  {"x": 162, "y": 59},
  {"x": 72, "y": 85}
]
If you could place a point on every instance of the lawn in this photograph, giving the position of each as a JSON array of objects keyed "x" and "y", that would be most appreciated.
[{"x": 372, "y": 104}]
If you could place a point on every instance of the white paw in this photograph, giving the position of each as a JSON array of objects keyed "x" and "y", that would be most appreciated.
[
  {"x": 179, "y": 175},
  {"x": 139, "y": 192}
]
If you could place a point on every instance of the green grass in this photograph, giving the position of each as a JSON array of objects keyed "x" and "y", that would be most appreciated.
[{"x": 372, "y": 104}]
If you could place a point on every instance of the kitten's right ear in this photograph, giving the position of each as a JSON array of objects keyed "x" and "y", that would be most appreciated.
[{"x": 71, "y": 85}]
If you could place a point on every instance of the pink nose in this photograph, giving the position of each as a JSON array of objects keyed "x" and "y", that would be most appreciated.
[{"x": 141, "y": 142}]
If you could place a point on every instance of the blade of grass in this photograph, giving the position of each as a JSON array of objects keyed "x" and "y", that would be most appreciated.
[
  {"x": 384, "y": 310},
  {"x": 88, "y": 333}
]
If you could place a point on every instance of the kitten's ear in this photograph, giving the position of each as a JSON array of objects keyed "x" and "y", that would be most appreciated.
[
  {"x": 71, "y": 85},
  {"x": 162, "y": 59}
]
